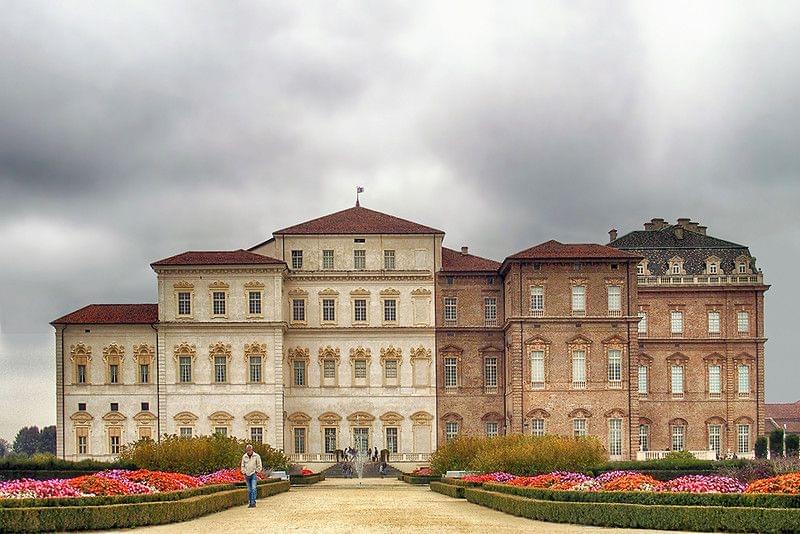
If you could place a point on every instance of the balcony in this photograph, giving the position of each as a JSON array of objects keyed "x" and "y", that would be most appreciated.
[
  {"x": 578, "y": 384},
  {"x": 615, "y": 384},
  {"x": 537, "y": 313},
  {"x": 490, "y": 322},
  {"x": 451, "y": 322},
  {"x": 615, "y": 313},
  {"x": 490, "y": 390},
  {"x": 702, "y": 280},
  {"x": 660, "y": 455}
]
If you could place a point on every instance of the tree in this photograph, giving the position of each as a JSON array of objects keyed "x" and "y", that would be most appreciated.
[
  {"x": 761, "y": 447},
  {"x": 27, "y": 440},
  {"x": 776, "y": 443},
  {"x": 5, "y": 447},
  {"x": 47, "y": 439},
  {"x": 792, "y": 444}
]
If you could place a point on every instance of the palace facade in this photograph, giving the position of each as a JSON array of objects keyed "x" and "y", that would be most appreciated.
[{"x": 360, "y": 328}]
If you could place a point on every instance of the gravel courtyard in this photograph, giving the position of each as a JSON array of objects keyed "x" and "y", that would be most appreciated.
[{"x": 337, "y": 505}]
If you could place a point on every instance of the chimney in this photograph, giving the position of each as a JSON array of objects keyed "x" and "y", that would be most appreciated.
[
  {"x": 693, "y": 226},
  {"x": 702, "y": 229},
  {"x": 683, "y": 222},
  {"x": 656, "y": 224},
  {"x": 464, "y": 251},
  {"x": 679, "y": 232},
  {"x": 612, "y": 235}
]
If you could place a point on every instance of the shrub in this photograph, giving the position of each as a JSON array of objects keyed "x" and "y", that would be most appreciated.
[
  {"x": 748, "y": 471},
  {"x": 451, "y": 490},
  {"x": 519, "y": 454},
  {"x": 761, "y": 447},
  {"x": 197, "y": 455},
  {"x": 776, "y": 443},
  {"x": 792, "y": 445},
  {"x": 49, "y": 462}
]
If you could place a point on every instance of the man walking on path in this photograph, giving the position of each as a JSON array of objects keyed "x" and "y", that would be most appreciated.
[{"x": 251, "y": 466}]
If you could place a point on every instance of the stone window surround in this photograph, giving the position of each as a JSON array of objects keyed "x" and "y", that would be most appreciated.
[
  {"x": 395, "y": 354},
  {"x": 328, "y": 353},
  {"x": 717, "y": 265},
  {"x": 298, "y": 420},
  {"x": 218, "y": 287},
  {"x": 361, "y": 419},
  {"x": 676, "y": 260},
  {"x": 114, "y": 354},
  {"x": 486, "y": 353},
  {"x": 708, "y": 361},
  {"x": 221, "y": 419},
  {"x": 715, "y": 420},
  {"x": 537, "y": 283},
  {"x": 579, "y": 282},
  {"x": 579, "y": 413},
  {"x": 646, "y": 361},
  {"x": 580, "y": 343},
  {"x": 392, "y": 420},
  {"x": 301, "y": 354},
  {"x": 254, "y": 286},
  {"x": 536, "y": 413},
  {"x": 328, "y": 294},
  {"x": 144, "y": 355},
  {"x": 452, "y": 351},
  {"x": 187, "y": 350},
  {"x": 81, "y": 354},
  {"x": 255, "y": 349},
  {"x": 390, "y": 294},
  {"x": 681, "y": 360},
  {"x": 359, "y": 294},
  {"x": 184, "y": 287},
  {"x": 224, "y": 350},
  {"x": 82, "y": 424},
  {"x": 257, "y": 419},
  {"x": 298, "y": 294},
  {"x": 615, "y": 343},
  {"x": 329, "y": 420},
  {"x": 615, "y": 282},
  {"x": 678, "y": 422},
  {"x": 748, "y": 360},
  {"x": 533, "y": 344},
  {"x": 360, "y": 353},
  {"x": 420, "y": 356}
]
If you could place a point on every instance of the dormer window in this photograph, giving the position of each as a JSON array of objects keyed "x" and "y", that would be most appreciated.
[
  {"x": 640, "y": 269},
  {"x": 713, "y": 265},
  {"x": 713, "y": 268},
  {"x": 742, "y": 268},
  {"x": 676, "y": 266}
]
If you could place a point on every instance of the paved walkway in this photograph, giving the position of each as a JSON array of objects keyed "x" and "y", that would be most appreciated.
[{"x": 388, "y": 505}]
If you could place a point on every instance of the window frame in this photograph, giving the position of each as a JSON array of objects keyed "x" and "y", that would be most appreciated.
[
  {"x": 578, "y": 296},
  {"x": 359, "y": 257},
  {"x": 297, "y": 260},
  {"x": 389, "y": 260},
  {"x": 328, "y": 260}
]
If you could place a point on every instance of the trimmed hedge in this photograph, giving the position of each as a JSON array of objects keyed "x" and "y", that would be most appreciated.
[
  {"x": 417, "y": 479},
  {"x": 114, "y": 516},
  {"x": 740, "y": 500},
  {"x": 450, "y": 490},
  {"x": 303, "y": 480},
  {"x": 459, "y": 482},
  {"x": 654, "y": 516}
]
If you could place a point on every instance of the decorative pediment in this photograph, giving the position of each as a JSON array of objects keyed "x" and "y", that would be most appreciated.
[
  {"x": 579, "y": 413},
  {"x": 489, "y": 348},
  {"x": 743, "y": 420},
  {"x": 360, "y": 292},
  {"x": 614, "y": 281},
  {"x": 390, "y": 292},
  {"x": 743, "y": 357},
  {"x": 144, "y": 353},
  {"x": 219, "y": 284},
  {"x": 114, "y": 418},
  {"x": 391, "y": 353},
  {"x": 537, "y": 340},
  {"x": 421, "y": 353},
  {"x": 329, "y": 352},
  {"x": 421, "y": 418},
  {"x": 254, "y": 284},
  {"x": 81, "y": 418},
  {"x": 183, "y": 284},
  {"x": 145, "y": 416},
  {"x": 359, "y": 353},
  {"x": 538, "y": 413},
  {"x": 255, "y": 349},
  {"x": 360, "y": 418},
  {"x": 298, "y": 293},
  {"x": 677, "y": 422},
  {"x": 185, "y": 418},
  {"x": 421, "y": 292},
  {"x": 391, "y": 418},
  {"x": 219, "y": 349},
  {"x": 256, "y": 418},
  {"x": 328, "y": 293},
  {"x": 80, "y": 350},
  {"x": 220, "y": 417},
  {"x": 644, "y": 359},
  {"x": 614, "y": 340},
  {"x": 578, "y": 281},
  {"x": 675, "y": 259},
  {"x": 677, "y": 358},
  {"x": 299, "y": 418},
  {"x": 537, "y": 282},
  {"x": 715, "y": 420},
  {"x": 452, "y": 416},
  {"x": 330, "y": 419},
  {"x": 714, "y": 358},
  {"x": 645, "y": 421},
  {"x": 713, "y": 259},
  {"x": 492, "y": 416},
  {"x": 579, "y": 340},
  {"x": 113, "y": 350},
  {"x": 185, "y": 349},
  {"x": 451, "y": 350},
  {"x": 614, "y": 413},
  {"x": 298, "y": 353}
]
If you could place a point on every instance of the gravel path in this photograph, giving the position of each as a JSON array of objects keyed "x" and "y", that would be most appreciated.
[{"x": 337, "y": 505}]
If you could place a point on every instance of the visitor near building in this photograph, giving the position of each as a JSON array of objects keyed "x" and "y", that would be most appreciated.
[{"x": 251, "y": 466}]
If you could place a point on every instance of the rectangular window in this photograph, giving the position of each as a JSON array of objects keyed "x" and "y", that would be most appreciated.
[
  {"x": 359, "y": 260},
  {"x": 81, "y": 406},
  {"x": 144, "y": 373},
  {"x": 676, "y": 323},
  {"x": 614, "y": 300},
  {"x": 300, "y": 440},
  {"x": 742, "y": 268},
  {"x": 490, "y": 311},
  {"x": 490, "y": 374},
  {"x": 114, "y": 437},
  {"x": 743, "y": 380},
  {"x": 145, "y": 406},
  {"x": 145, "y": 432},
  {"x": 330, "y": 440},
  {"x": 644, "y": 437},
  {"x": 579, "y": 428},
  {"x": 450, "y": 430},
  {"x": 298, "y": 310},
  {"x": 392, "y": 440},
  {"x": 450, "y": 313},
  {"x": 185, "y": 363},
  {"x": 537, "y": 301},
  {"x": 678, "y": 437},
  {"x": 328, "y": 310},
  {"x": 185, "y": 432},
  {"x": 578, "y": 369},
  {"x": 537, "y": 369},
  {"x": 642, "y": 324},
  {"x": 219, "y": 302},
  {"x": 714, "y": 381},
  {"x": 614, "y": 367},
  {"x": 578, "y": 300},
  {"x": 677, "y": 381},
  {"x": 329, "y": 369},
  {"x": 221, "y": 431},
  {"x": 299, "y": 367},
  {"x": 713, "y": 324},
  {"x": 390, "y": 310},
  {"x": 714, "y": 438},
  {"x": 327, "y": 259},
  {"x": 257, "y": 434},
  {"x": 390, "y": 369},
  {"x": 81, "y": 373},
  {"x": 114, "y": 407},
  {"x": 743, "y": 322},
  {"x": 220, "y": 369},
  {"x": 254, "y": 302},
  {"x": 615, "y": 437},
  {"x": 537, "y": 427},
  {"x": 712, "y": 268},
  {"x": 676, "y": 268},
  {"x": 255, "y": 368},
  {"x": 360, "y": 368},
  {"x": 742, "y": 439},
  {"x": 642, "y": 380},
  {"x": 184, "y": 303},
  {"x": 450, "y": 373},
  {"x": 388, "y": 260},
  {"x": 360, "y": 310},
  {"x": 297, "y": 259},
  {"x": 491, "y": 429},
  {"x": 640, "y": 269},
  {"x": 83, "y": 440},
  {"x": 113, "y": 373}
]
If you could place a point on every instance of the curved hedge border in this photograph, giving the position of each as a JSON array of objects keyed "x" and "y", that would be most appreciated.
[
  {"x": 419, "y": 480},
  {"x": 304, "y": 480},
  {"x": 654, "y": 516},
  {"x": 741, "y": 500},
  {"x": 127, "y": 515}
]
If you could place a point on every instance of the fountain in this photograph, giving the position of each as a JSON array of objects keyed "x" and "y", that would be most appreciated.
[{"x": 359, "y": 461}]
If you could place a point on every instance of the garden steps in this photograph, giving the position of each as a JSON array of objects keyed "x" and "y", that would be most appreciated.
[{"x": 371, "y": 470}]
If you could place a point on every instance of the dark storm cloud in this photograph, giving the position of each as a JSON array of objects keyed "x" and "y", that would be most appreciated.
[{"x": 132, "y": 131}]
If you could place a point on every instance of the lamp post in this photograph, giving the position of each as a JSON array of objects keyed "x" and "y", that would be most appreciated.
[{"x": 784, "y": 440}]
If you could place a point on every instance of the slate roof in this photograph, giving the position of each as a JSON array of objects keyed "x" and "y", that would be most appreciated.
[
  {"x": 660, "y": 245},
  {"x": 555, "y": 250},
  {"x": 217, "y": 257},
  {"x": 455, "y": 261},
  {"x": 788, "y": 412},
  {"x": 358, "y": 221},
  {"x": 112, "y": 314}
]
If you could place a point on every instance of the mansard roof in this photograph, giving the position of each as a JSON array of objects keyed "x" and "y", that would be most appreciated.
[
  {"x": 358, "y": 221},
  {"x": 217, "y": 257},
  {"x": 456, "y": 261},
  {"x": 112, "y": 314},
  {"x": 555, "y": 250}
]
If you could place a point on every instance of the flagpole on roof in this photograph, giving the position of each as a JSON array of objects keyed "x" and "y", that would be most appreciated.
[{"x": 359, "y": 189}]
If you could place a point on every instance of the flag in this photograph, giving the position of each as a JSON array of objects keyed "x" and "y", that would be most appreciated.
[{"x": 359, "y": 189}]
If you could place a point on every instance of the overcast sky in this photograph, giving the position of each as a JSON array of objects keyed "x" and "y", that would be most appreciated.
[{"x": 131, "y": 132}]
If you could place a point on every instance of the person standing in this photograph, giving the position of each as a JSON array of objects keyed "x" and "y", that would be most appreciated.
[{"x": 251, "y": 466}]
